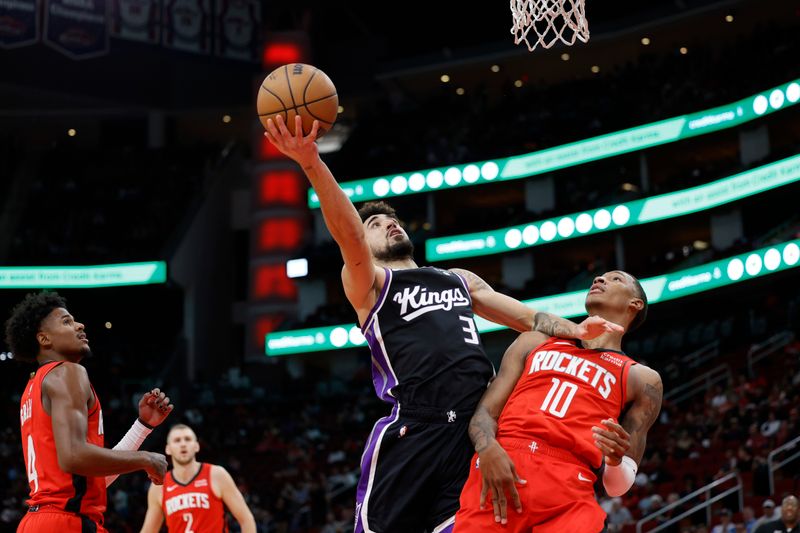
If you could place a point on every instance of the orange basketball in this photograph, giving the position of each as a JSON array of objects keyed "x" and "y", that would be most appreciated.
[{"x": 298, "y": 89}]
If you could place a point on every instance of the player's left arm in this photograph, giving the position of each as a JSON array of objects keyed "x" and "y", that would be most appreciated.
[
  {"x": 233, "y": 499},
  {"x": 623, "y": 444},
  {"x": 154, "y": 517},
  {"x": 502, "y": 309},
  {"x": 154, "y": 408}
]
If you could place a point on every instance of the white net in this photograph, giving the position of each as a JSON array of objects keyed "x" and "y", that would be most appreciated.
[{"x": 546, "y": 22}]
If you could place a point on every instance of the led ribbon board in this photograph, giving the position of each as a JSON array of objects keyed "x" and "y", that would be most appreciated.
[
  {"x": 613, "y": 217},
  {"x": 662, "y": 288},
  {"x": 83, "y": 277},
  {"x": 576, "y": 153}
]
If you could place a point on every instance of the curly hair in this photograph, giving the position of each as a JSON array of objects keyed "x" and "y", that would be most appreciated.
[
  {"x": 376, "y": 208},
  {"x": 26, "y": 319}
]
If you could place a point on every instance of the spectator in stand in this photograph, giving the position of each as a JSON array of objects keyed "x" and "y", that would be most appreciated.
[
  {"x": 618, "y": 516},
  {"x": 788, "y": 520},
  {"x": 748, "y": 519},
  {"x": 726, "y": 524},
  {"x": 771, "y": 426},
  {"x": 770, "y": 513}
]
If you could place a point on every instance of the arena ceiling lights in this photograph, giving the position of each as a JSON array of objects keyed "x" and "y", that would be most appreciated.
[
  {"x": 576, "y": 153},
  {"x": 618, "y": 216},
  {"x": 662, "y": 288},
  {"x": 83, "y": 277}
]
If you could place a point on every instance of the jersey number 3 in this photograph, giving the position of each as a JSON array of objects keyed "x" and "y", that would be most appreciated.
[
  {"x": 470, "y": 330},
  {"x": 559, "y": 397}
]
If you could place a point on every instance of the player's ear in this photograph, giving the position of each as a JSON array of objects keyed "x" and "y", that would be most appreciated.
[
  {"x": 43, "y": 339},
  {"x": 637, "y": 304}
]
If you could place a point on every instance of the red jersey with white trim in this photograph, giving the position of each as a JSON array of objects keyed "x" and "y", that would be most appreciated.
[
  {"x": 49, "y": 485},
  {"x": 192, "y": 506},
  {"x": 563, "y": 391}
]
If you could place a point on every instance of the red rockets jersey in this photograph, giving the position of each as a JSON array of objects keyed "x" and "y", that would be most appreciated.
[
  {"x": 563, "y": 391},
  {"x": 192, "y": 506},
  {"x": 49, "y": 485}
]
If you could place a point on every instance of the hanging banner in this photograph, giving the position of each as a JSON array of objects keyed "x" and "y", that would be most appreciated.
[
  {"x": 238, "y": 25},
  {"x": 77, "y": 28},
  {"x": 136, "y": 20},
  {"x": 187, "y": 25},
  {"x": 19, "y": 23}
]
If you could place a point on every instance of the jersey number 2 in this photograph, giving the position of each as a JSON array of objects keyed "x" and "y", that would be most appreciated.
[
  {"x": 470, "y": 330},
  {"x": 33, "y": 477},
  {"x": 555, "y": 402},
  {"x": 188, "y": 518}
]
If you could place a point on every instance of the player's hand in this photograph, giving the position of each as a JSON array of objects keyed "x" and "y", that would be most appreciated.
[
  {"x": 301, "y": 149},
  {"x": 594, "y": 326},
  {"x": 612, "y": 440},
  {"x": 499, "y": 476},
  {"x": 154, "y": 407},
  {"x": 155, "y": 466}
]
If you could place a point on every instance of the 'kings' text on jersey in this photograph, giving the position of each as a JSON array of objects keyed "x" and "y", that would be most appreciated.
[{"x": 426, "y": 351}]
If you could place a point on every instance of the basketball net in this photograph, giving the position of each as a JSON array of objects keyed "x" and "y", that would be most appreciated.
[{"x": 550, "y": 20}]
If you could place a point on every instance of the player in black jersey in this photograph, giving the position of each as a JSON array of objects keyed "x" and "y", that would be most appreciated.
[{"x": 427, "y": 357}]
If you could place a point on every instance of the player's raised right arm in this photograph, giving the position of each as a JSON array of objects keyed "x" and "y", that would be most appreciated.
[
  {"x": 69, "y": 392},
  {"x": 339, "y": 213},
  {"x": 155, "y": 516}
]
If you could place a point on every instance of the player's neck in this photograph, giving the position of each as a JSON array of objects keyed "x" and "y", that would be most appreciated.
[
  {"x": 399, "y": 264},
  {"x": 606, "y": 341},
  {"x": 185, "y": 473},
  {"x": 49, "y": 356}
]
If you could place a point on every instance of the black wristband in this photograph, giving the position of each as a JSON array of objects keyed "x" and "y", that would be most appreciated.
[{"x": 145, "y": 424}]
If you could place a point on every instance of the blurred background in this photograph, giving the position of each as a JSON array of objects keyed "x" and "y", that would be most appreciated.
[{"x": 667, "y": 146}]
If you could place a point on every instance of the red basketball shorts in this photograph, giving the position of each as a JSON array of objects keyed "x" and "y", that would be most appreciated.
[
  {"x": 57, "y": 521},
  {"x": 557, "y": 498}
]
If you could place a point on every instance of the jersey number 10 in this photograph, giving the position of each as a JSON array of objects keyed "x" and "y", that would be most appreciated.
[{"x": 559, "y": 397}]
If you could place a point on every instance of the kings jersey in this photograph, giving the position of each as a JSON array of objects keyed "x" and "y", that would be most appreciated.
[
  {"x": 192, "y": 506},
  {"x": 49, "y": 485},
  {"x": 563, "y": 391}
]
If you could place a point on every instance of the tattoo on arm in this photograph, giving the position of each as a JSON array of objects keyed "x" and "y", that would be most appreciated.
[
  {"x": 642, "y": 416},
  {"x": 482, "y": 428},
  {"x": 474, "y": 282},
  {"x": 553, "y": 325}
]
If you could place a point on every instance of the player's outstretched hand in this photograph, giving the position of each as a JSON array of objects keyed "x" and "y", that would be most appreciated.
[
  {"x": 154, "y": 407},
  {"x": 612, "y": 440},
  {"x": 301, "y": 149},
  {"x": 499, "y": 477},
  {"x": 155, "y": 466},
  {"x": 594, "y": 326}
]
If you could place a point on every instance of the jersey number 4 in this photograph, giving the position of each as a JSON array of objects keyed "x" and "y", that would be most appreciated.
[
  {"x": 559, "y": 397},
  {"x": 33, "y": 477}
]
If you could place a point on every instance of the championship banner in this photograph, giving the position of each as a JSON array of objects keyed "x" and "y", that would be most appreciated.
[
  {"x": 136, "y": 20},
  {"x": 19, "y": 23},
  {"x": 187, "y": 25},
  {"x": 238, "y": 29},
  {"x": 77, "y": 28}
]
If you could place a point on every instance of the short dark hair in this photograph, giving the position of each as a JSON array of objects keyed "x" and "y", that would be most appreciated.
[
  {"x": 376, "y": 208},
  {"x": 641, "y": 316},
  {"x": 26, "y": 321}
]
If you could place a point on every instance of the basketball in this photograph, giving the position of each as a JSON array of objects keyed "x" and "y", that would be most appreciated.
[{"x": 298, "y": 89}]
